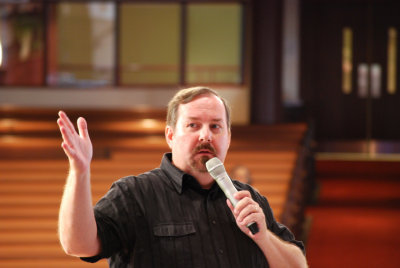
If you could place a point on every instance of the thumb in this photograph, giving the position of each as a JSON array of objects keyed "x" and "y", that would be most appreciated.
[
  {"x": 228, "y": 202},
  {"x": 82, "y": 127}
]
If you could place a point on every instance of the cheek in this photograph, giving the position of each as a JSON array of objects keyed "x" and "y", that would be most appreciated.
[
  {"x": 184, "y": 141},
  {"x": 222, "y": 146}
]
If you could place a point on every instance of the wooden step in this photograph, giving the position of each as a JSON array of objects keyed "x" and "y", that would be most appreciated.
[
  {"x": 33, "y": 171},
  {"x": 67, "y": 262},
  {"x": 39, "y": 224},
  {"x": 39, "y": 251},
  {"x": 29, "y": 237}
]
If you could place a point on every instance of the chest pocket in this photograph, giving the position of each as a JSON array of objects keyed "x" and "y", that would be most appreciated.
[
  {"x": 173, "y": 243},
  {"x": 174, "y": 229}
]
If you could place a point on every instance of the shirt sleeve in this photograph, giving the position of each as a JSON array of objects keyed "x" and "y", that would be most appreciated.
[{"x": 112, "y": 222}]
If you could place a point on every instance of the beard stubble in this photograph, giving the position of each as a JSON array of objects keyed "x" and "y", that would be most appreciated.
[{"x": 199, "y": 164}]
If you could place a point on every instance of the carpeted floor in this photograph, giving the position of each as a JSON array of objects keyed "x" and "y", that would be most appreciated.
[{"x": 356, "y": 219}]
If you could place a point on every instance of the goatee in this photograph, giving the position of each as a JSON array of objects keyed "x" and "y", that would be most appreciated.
[{"x": 200, "y": 163}]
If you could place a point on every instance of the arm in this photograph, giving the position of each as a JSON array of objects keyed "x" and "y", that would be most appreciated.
[
  {"x": 77, "y": 225},
  {"x": 279, "y": 253}
]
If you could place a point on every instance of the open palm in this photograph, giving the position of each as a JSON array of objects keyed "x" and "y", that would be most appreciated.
[{"x": 77, "y": 146}]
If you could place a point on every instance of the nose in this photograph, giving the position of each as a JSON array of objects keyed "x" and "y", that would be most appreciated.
[{"x": 205, "y": 135}]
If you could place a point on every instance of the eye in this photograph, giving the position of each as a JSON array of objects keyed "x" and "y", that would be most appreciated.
[
  {"x": 215, "y": 126},
  {"x": 192, "y": 125}
]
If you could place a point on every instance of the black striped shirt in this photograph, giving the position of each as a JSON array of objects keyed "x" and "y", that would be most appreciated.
[{"x": 163, "y": 218}]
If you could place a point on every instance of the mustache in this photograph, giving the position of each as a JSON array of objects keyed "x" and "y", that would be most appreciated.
[{"x": 205, "y": 146}]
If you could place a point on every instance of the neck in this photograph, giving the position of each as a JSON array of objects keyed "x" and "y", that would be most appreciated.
[
  {"x": 205, "y": 183},
  {"x": 204, "y": 179}
]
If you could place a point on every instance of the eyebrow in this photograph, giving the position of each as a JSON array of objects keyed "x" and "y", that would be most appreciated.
[{"x": 197, "y": 118}]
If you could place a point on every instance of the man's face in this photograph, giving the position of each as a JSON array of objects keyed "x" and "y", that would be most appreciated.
[{"x": 201, "y": 133}]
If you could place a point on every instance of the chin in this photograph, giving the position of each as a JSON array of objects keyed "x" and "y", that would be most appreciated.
[
  {"x": 205, "y": 158},
  {"x": 199, "y": 164}
]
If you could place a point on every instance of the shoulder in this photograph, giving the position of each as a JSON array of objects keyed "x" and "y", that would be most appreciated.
[
  {"x": 258, "y": 197},
  {"x": 240, "y": 186},
  {"x": 131, "y": 189},
  {"x": 144, "y": 179}
]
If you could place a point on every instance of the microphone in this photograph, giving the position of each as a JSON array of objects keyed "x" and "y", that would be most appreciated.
[{"x": 217, "y": 171}]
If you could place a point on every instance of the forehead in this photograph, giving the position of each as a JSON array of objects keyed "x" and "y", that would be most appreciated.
[{"x": 209, "y": 106}]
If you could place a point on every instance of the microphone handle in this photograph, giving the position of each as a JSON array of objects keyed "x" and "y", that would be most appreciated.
[
  {"x": 227, "y": 187},
  {"x": 253, "y": 227}
]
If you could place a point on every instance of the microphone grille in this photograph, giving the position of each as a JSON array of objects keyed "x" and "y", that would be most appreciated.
[{"x": 215, "y": 167}]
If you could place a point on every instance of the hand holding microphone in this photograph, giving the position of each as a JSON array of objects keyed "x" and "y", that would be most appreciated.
[{"x": 217, "y": 171}]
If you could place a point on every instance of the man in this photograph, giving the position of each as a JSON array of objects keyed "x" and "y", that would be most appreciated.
[
  {"x": 175, "y": 215},
  {"x": 241, "y": 173}
]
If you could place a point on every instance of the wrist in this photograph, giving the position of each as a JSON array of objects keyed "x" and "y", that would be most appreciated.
[
  {"x": 78, "y": 174},
  {"x": 263, "y": 238}
]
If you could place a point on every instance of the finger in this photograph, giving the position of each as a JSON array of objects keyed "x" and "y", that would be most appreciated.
[
  {"x": 59, "y": 123},
  {"x": 228, "y": 202},
  {"x": 252, "y": 218},
  {"x": 64, "y": 129},
  {"x": 82, "y": 127},
  {"x": 68, "y": 150},
  {"x": 241, "y": 194},
  {"x": 66, "y": 122},
  {"x": 68, "y": 138},
  {"x": 247, "y": 211},
  {"x": 244, "y": 202}
]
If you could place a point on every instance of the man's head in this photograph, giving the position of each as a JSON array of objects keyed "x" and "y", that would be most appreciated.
[
  {"x": 198, "y": 128},
  {"x": 186, "y": 95},
  {"x": 241, "y": 173}
]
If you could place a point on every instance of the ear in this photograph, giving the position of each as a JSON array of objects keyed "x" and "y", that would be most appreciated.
[
  {"x": 169, "y": 135},
  {"x": 229, "y": 141}
]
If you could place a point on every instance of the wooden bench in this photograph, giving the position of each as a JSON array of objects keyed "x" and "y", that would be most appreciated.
[{"x": 33, "y": 169}]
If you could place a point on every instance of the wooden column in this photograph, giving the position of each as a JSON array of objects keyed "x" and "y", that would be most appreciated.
[{"x": 266, "y": 100}]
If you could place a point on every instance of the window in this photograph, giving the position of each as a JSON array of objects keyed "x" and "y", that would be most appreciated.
[
  {"x": 214, "y": 43},
  {"x": 82, "y": 46},
  {"x": 120, "y": 43},
  {"x": 21, "y": 44},
  {"x": 149, "y": 47}
]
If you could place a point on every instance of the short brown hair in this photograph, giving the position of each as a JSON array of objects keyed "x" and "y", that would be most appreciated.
[{"x": 187, "y": 95}]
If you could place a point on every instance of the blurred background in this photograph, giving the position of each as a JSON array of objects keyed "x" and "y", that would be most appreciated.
[{"x": 314, "y": 87}]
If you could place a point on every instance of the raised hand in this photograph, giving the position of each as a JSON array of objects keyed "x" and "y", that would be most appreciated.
[
  {"x": 77, "y": 224},
  {"x": 77, "y": 147}
]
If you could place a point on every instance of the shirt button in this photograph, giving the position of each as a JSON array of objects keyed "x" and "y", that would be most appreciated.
[
  {"x": 214, "y": 222},
  {"x": 221, "y": 251}
]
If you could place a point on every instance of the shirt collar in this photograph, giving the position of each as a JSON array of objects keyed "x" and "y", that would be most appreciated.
[
  {"x": 179, "y": 178},
  {"x": 175, "y": 174}
]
